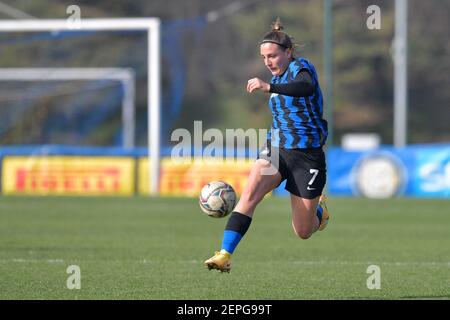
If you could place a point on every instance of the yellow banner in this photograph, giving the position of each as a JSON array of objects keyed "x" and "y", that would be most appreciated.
[
  {"x": 68, "y": 175},
  {"x": 188, "y": 177}
]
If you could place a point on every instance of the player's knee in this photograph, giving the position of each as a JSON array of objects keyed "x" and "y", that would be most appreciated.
[
  {"x": 303, "y": 233},
  {"x": 263, "y": 163},
  {"x": 263, "y": 167}
]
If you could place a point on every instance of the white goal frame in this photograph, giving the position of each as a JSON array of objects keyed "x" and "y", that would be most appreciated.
[{"x": 152, "y": 27}]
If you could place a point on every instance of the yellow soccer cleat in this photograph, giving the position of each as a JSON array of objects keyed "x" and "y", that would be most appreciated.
[
  {"x": 325, "y": 214},
  {"x": 221, "y": 261}
]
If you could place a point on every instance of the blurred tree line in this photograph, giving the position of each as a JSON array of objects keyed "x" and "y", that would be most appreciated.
[{"x": 211, "y": 61}]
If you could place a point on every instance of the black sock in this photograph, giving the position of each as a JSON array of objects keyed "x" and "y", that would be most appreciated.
[{"x": 235, "y": 229}]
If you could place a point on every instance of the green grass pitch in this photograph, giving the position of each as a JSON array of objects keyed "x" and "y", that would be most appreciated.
[{"x": 153, "y": 248}]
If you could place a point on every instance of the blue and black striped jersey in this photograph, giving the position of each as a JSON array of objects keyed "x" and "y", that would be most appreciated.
[{"x": 297, "y": 121}]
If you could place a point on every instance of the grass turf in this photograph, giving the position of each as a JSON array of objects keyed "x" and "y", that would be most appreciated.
[{"x": 153, "y": 248}]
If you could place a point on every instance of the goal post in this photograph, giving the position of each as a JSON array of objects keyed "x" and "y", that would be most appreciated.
[{"x": 152, "y": 27}]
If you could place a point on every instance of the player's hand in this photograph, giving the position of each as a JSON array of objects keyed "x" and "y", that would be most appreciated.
[{"x": 257, "y": 84}]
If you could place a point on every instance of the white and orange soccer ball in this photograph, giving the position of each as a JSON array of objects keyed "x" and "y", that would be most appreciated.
[{"x": 217, "y": 199}]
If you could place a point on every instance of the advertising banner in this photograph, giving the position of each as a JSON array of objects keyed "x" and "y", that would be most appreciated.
[
  {"x": 68, "y": 175},
  {"x": 187, "y": 177},
  {"x": 416, "y": 171}
]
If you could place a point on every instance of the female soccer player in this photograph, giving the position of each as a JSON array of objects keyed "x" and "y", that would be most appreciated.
[{"x": 293, "y": 151}]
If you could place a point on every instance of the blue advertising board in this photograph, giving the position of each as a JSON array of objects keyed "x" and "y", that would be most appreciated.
[{"x": 416, "y": 171}]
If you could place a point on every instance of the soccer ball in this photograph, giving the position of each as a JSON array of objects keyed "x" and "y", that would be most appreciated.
[{"x": 217, "y": 199}]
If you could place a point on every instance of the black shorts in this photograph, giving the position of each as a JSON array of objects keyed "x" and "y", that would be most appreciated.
[{"x": 303, "y": 169}]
